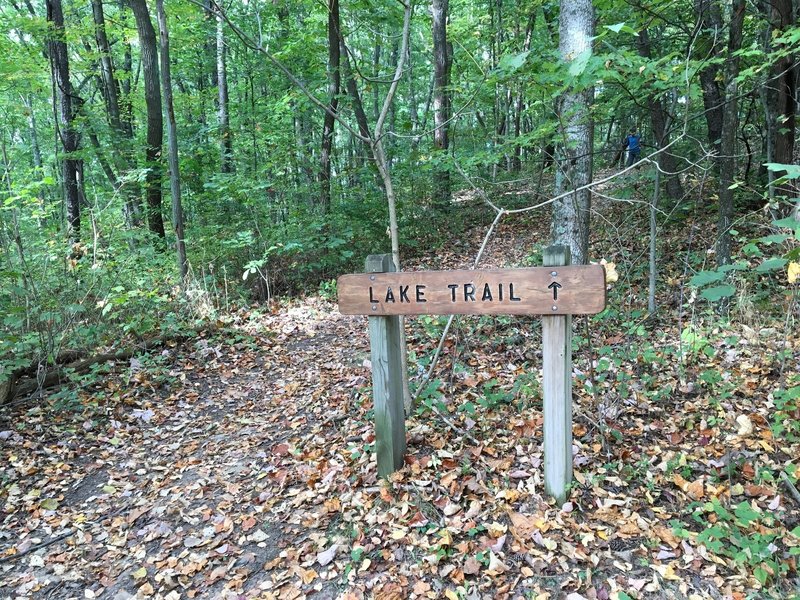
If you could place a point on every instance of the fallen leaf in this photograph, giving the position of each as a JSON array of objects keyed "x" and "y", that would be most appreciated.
[
  {"x": 472, "y": 566},
  {"x": 745, "y": 425},
  {"x": 324, "y": 558}
]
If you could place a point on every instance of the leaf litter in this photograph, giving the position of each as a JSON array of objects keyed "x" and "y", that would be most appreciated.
[{"x": 251, "y": 473}]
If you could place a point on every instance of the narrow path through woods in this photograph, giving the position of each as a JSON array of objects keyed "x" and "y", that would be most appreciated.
[{"x": 240, "y": 465}]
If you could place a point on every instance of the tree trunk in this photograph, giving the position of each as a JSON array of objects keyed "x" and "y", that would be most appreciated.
[
  {"x": 172, "y": 141},
  {"x": 782, "y": 95},
  {"x": 570, "y": 218},
  {"x": 122, "y": 128},
  {"x": 110, "y": 85},
  {"x": 67, "y": 134},
  {"x": 659, "y": 119},
  {"x": 516, "y": 161},
  {"x": 730, "y": 125},
  {"x": 709, "y": 42},
  {"x": 329, "y": 120},
  {"x": 226, "y": 141},
  {"x": 126, "y": 109},
  {"x": 441, "y": 103},
  {"x": 155, "y": 123}
]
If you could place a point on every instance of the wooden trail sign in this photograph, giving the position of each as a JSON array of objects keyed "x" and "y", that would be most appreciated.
[
  {"x": 556, "y": 291},
  {"x": 566, "y": 290}
]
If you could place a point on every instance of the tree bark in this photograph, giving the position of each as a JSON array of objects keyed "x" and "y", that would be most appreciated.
[
  {"x": 226, "y": 140},
  {"x": 67, "y": 134},
  {"x": 329, "y": 120},
  {"x": 782, "y": 95},
  {"x": 155, "y": 123},
  {"x": 659, "y": 119},
  {"x": 172, "y": 141},
  {"x": 441, "y": 103},
  {"x": 110, "y": 85},
  {"x": 709, "y": 43},
  {"x": 730, "y": 125},
  {"x": 121, "y": 127},
  {"x": 570, "y": 217}
]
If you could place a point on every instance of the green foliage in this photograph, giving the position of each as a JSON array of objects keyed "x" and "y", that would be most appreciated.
[
  {"x": 746, "y": 535},
  {"x": 786, "y": 417}
]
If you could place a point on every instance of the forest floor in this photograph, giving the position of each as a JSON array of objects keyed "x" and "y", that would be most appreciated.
[{"x": 240, "y": 464}]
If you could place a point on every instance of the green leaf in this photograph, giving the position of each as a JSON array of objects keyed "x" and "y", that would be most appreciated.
[
  {"x": 775, "y": 238},
  {"x": 578, "y": 65},
  {"x": 792, "y": 171},
  {"x": 717, "y": 293},
  {"x": 49, "y": 504},
  {"x": 771, "y": 264},
  {"x": 788, "y": 222},
  {"x": 511, "y": 62},
  {"x": 706, "y": 277},
  {"x": 617, "y": 27},
  {"x": 737, "y": 266},
  {"x": 745, "y": 513}
]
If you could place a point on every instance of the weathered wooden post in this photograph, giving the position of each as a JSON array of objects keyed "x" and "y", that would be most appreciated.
[
  {"x": 557, "y": 384},
  {"x": 387, "y": 383}
]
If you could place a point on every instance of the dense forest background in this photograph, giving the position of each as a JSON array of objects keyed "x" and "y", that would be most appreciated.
[{"x": 287, "y": 137}]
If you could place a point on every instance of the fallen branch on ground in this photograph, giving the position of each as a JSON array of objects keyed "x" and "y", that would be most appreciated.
[
  {"x": 58, "y": 538},
  {"x": 22, "y": 387}
]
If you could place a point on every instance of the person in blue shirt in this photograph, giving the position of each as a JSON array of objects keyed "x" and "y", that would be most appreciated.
[{"x": 633, "y": 144}]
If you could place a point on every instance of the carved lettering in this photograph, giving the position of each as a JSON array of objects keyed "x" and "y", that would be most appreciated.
[
  {"x": 469, "y": 292},
  {"x": 371, "y": 298},
  {"x": 404, "y": 293},
  {"x": 487, "y": 293},
  {"x": 421, "y": 293},
  {"x": 389, "y": 295},
  {"x": 511, "y": 293},
  {"x": 500, "y": 288},
  {"x": 453, "y": 287}
]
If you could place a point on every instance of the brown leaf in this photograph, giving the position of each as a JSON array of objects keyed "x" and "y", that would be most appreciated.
[
  {"x": 666, "y": 536},
  {"x": 472, "y": 566}
]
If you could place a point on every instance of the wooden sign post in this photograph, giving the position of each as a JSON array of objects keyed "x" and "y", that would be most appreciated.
[{"x": 556, "y": 291}]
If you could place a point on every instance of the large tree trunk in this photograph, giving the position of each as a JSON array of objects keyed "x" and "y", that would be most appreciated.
[
  {"x": 659, "y": 119},
  {"x": 226, "y": 141},
  {"x": 172, "y": 136},
  {"x": 570, "y": 218},
  {"x": 334, "y": 83},
  {"x": 730, "y": 125},
  {"x": 155, "y": 123},
  {"x": 709, "y": 42},
  {"x": 67, "y": 134},
  {"x": 441, "y": 102}
]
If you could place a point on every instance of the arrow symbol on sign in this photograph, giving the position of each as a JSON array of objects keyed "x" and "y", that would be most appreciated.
[{"x": 554, "y": 286}]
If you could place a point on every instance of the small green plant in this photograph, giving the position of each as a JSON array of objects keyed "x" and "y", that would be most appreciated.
[
  {"x": 786, "y": 416},
  {"x": 328, "y": 290},
  {"x": 744, "y": 534},
  {"x": 493, "y": 395}
]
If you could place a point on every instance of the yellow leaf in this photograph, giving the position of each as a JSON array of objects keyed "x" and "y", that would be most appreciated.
[
  {"x": 611, "y": 271},
  {"x": 308, "y": 575},
  {"x": 49, "y": 504},
  {"x": 139, "y": 574},
  {"x": 447, "y": 537},
  {"x": 794, "y": 272},
  {"x": 451, "y": 594}
]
